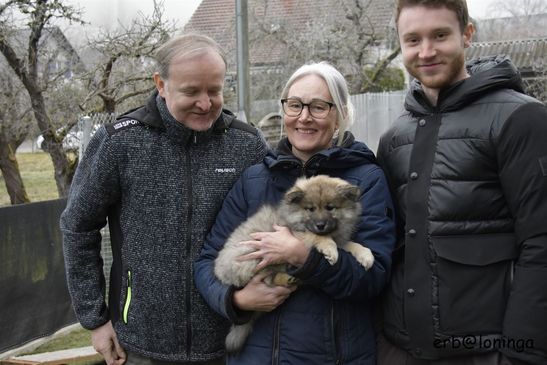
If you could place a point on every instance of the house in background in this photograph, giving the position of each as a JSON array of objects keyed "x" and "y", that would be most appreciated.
[
  {"x": 284, "y": 34},
  {"x": 528, "y": 55},
  {"x": 65, "y": 59},
  {"x": 57, "y": 57},
  {"x": 524, "y": 40},
  {"x": 57, "y": 60},
  {"x": 216, "y": 18}
]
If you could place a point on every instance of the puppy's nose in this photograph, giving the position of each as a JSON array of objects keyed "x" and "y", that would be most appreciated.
[{"x": 320, "y": 226}]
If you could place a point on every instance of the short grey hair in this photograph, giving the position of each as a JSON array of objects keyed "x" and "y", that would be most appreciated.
[
  {"x": 338, "y": 89},
  {"x": 182, "y": 45}
]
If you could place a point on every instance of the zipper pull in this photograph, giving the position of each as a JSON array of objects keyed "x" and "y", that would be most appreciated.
[{"x": 127, "y": 298}]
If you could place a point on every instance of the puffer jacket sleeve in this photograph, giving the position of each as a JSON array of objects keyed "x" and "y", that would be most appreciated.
[
  {"x": 216, "y": 294},
  {"x": 94, "y": 189},
  {"x": 376, "y": 230},
  {"x": 522, "y": 156}
]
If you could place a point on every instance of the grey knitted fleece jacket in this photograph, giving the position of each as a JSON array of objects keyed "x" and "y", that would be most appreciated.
[{"x": 160, "y": 185}]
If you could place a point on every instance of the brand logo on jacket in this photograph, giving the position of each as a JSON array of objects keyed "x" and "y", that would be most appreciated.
[
  {"x": 125, "y": 123},
  {"x": 121, "y": 125},
  {"x": 226, "y": 170}
]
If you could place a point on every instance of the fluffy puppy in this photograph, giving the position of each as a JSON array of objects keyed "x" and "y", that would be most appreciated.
[{"x": 321, "y": 211}]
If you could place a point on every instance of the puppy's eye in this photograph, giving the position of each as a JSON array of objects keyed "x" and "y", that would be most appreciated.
[
  {"x": 330, "y": 207},
  {"x": 310, "y": 209}
]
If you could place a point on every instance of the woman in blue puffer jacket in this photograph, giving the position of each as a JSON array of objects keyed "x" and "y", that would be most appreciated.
[{"x": 327, "y": 319}]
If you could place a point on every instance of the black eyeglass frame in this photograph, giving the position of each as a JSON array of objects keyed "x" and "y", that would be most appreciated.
[{"x": 284, "y": 101}]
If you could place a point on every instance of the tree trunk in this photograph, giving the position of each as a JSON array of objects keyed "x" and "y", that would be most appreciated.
[
  {"x": 10, "y": 172},
  {"x": 63, "y": 168}
]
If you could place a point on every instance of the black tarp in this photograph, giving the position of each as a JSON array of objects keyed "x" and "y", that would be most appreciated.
[{"x": 34, "y": 300}]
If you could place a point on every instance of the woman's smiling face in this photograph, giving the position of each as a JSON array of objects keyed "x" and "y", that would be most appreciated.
[{"x": 307, "y": 134}]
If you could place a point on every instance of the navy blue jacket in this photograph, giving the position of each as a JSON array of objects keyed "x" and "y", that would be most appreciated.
[{"x": 327, "y": 320}]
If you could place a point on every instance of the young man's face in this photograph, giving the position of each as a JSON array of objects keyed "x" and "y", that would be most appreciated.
[
  {"x": 193, "y": 91},
  {"x": 433, "y": 46}
]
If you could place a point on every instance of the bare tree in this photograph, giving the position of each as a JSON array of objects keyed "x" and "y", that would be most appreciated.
[
  {"x": 368, "y": 47},
  {"x": 15, "y": 123},
  {"x": 121, "y": 73},
  {"x": 123, "y": 63},
  {"x": 345, "y": 35},
  {"x": 38, "y": 14},
  {"x": 517, "y": 8},
  {"x": 514, "y": 19}
]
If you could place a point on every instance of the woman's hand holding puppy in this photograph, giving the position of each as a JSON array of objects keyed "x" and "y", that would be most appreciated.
[
  {"x": 259, "y": 296},
  {"x": 271, "y": 248},
  {"x": 278, "y": 247}
]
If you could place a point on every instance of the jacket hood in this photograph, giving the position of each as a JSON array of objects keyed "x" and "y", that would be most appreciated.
[
  {"x": 487, "y": 74},
  {"x": 349, "y": 154}
]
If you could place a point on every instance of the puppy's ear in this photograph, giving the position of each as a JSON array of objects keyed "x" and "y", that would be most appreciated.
[
  {"x": 294, "y": 195},
  {"x": 350, "y": 192}
]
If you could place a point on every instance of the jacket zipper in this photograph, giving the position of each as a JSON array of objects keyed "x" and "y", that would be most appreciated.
[
  {"x": 127, "y": 298},
  {"x": 333, "y": 335},
  {"x": 188, "y": 251},
  {"x": 275, "y": 353},
  {"x": 304, "y": 166}
]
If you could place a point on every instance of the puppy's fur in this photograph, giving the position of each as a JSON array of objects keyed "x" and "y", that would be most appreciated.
[{"x": 321, "y": 211}]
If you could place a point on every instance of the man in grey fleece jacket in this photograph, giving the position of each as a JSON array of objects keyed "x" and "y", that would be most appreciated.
[{"x": 159, "y": 175}]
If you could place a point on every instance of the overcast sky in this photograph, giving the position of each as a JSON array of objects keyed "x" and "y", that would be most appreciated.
[{"x": 107, "y": 13}]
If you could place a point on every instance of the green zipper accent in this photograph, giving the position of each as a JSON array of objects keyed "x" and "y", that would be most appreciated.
[{"x": 128, "y": 298}]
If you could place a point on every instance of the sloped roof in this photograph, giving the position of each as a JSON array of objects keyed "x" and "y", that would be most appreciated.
[
  {"x": 526, "y": 54},
  {"x": 51, "y": 37},
  {"x": 216, "y": 18},
  {"x": 52, "y": 41},
  {"x": 213, "y": 18}
]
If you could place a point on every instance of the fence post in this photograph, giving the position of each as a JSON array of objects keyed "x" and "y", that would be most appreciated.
[{"x": 85, "y": 125}]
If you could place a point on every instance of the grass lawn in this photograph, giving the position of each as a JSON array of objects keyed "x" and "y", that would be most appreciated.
[{"x": 37, "y": 173}]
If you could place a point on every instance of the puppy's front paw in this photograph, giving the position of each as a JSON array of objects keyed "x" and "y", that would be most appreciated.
[
  {"x": 365, "y": 257},
  {"x": 283, "y": 279},
  {"x": 362, "y": 254},
  {"x": 331, "y": 255}
]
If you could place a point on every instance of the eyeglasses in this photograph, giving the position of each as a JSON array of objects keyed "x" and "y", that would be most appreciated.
[{"x": 317, "y": 108}]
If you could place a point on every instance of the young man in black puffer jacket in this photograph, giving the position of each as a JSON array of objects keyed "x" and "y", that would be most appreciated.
[{"x": 467, "y": 162}]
